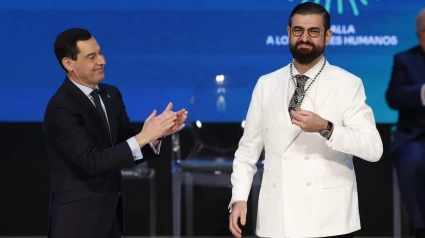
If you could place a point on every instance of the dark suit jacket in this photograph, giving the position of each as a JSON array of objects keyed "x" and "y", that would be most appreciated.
[
  {"x": 404, "y": 95},
  {"x": 85, "y": 176}
]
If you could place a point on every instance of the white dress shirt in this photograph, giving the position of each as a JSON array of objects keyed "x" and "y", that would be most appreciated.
[{"x": 132, "y": 142}]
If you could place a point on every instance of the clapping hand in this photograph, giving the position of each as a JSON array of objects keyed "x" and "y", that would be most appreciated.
[{"x": 168, "y": 122}]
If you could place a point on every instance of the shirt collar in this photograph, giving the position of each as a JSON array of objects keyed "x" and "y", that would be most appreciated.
[
  {"x": 86, "y": 90},
  {"x": 311, "y": 73}
]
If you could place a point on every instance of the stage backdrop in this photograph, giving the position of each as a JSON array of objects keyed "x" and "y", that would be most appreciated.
[{"x": 160, "y": 50}]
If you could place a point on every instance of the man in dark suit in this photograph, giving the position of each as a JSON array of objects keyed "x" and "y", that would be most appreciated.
[
  {"x": 88, "y": 138},
  {"x": 406, "y": 93}
]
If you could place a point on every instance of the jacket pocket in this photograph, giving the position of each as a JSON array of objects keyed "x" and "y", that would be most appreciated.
[
  {"x": 76, "y": 195},
  {"x": 335, "y": 183}
]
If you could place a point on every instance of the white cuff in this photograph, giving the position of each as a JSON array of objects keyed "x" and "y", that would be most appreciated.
[
  {"x": 158, "y": 147},
  {"x": 135, "y": 148},
  {"x": 338, "y": 144}
]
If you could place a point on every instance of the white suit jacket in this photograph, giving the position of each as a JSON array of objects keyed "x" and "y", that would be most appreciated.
[{"x": 309, "y": 185}]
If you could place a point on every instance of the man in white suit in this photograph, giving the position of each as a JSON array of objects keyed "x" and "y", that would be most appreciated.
[{"x": 311, "y": 119}]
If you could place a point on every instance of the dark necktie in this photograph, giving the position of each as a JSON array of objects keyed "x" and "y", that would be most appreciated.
[
  {"x": 299, "y": 92},
  {"x": 99, "y": 108}
]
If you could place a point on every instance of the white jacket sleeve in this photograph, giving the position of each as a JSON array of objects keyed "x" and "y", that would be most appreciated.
[
  {"x": 358, "y": 134},
  {"x": 249, "y": 149}
]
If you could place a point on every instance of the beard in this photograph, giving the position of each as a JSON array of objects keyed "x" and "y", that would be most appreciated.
[{"x": 305, "y": 56}]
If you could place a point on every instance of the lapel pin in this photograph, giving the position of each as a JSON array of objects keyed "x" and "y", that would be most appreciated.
[{"x": 109, "y": 96}]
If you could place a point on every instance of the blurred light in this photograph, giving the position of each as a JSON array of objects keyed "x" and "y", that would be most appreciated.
[
  {"x": 221, "y": 90},
  {"x": 198, "y": 124},
  {"x": 243, "y": 124},
  {"x": 219, "y": 78},
  {"x": 178, "y": 161},
  {"x": 221, "y": 103},
  {"x": 176, "y": 148},
  {"x": 217, "y": 172}
]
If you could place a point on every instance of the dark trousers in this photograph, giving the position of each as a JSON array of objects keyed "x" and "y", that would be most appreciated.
[
  {"x": 350, "y": 235},
  {"x": 115, "y": 229},
  {"x": 343, "y": 236},
  {"x": 409, "y": 161}
]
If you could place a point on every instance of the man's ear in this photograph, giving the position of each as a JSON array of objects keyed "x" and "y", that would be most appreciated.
[
  {"x": 68, "y": 64},
  {"x": 328, "y": 36}
]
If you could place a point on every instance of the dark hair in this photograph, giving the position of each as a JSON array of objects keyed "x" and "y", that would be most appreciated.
[
  {"x": 307, "y": 8},
  {"x": 66, "y": 43}
]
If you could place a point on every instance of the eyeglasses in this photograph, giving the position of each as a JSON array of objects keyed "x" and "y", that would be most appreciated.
[{"x": 312, "y": 32}]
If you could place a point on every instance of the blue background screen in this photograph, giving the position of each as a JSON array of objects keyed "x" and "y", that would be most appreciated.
[{"x": 159, "y": 51}]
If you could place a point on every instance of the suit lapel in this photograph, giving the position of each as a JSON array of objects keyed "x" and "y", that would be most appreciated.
[
  {"x": 87, "y": 108},
  {"x": 418, "y": 64},
  {"x": 318, "y": 92},
  {"x": 280, "y": 104}
]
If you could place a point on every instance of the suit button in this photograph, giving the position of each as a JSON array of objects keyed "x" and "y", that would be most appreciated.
[
  {"x": 308, "y": 184},
  {"x": 306, "y": 157}
]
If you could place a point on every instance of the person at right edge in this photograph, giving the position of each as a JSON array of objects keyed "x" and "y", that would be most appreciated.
[
  {"x": 406, "y": 94},
  {"x": 311, "y": 118}
]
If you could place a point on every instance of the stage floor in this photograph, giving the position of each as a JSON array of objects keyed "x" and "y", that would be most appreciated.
[{"x": 184, "y": 237}]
